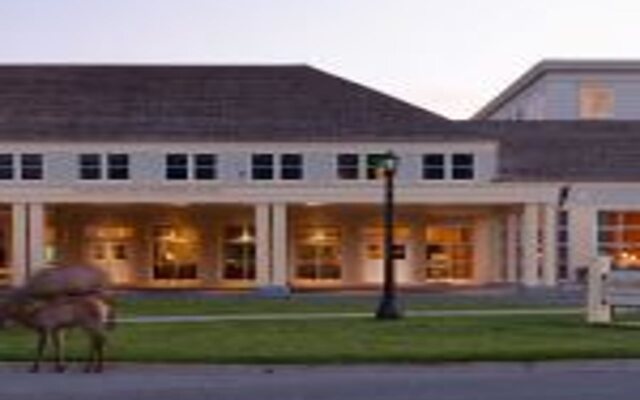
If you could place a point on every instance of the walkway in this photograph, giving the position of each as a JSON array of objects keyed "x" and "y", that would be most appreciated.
[{"x": 318, "y": 316}]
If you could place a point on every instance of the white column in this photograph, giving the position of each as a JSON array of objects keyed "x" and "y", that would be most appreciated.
[
  {"x": 263, "y": 244},
  {"x": 512, "y": 261},
  {"x": 583, "y": 244},
  {"x": 19, "y": 261},
  {"x": 598, "y": 311},
  {"x": 36, "y": 242},
  {"x": 550, "y": 245},
  {"x": 279, "y": 247},
  {"x": 482, "y": 259},
  {"x": 529, "y": 238}
]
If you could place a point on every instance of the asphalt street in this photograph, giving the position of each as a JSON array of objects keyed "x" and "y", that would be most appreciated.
[{"x": 608, "y": 380}]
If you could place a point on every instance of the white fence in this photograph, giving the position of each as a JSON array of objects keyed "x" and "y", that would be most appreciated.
[{"x": 609, "y": 288}]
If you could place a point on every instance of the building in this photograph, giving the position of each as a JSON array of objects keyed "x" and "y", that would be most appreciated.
[
  {"x": 248, "y": 177},
  {"x": 570, "y": 90}
]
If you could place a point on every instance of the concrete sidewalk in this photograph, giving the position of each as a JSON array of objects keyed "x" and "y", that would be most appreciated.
[{"x": 158, "y": 319}]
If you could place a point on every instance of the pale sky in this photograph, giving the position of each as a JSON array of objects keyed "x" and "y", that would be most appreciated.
[{"x": 450, "y": 56}]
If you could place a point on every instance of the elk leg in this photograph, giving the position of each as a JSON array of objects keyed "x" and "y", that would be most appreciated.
[
  {"x": 92, "y": 353},
  {"x": 58, "y": 343},
  {"x": 99, "y": 353},
  {"x": 42, "y": 344}
]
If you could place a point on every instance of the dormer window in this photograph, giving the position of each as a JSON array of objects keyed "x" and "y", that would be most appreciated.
[{"x": 596, "y": 101}]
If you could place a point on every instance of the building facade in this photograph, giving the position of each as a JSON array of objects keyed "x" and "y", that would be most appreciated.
[
  {"x": 249, "y": 177},
  {"x": 570, "y": 90}
]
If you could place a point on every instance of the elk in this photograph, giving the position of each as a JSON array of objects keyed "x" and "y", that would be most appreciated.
[{"x": 57, "y": 299}]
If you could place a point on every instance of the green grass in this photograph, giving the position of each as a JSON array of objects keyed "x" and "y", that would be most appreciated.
[
  {"x": 362, "y": 340},
  {"x": 298, "y": 304}
]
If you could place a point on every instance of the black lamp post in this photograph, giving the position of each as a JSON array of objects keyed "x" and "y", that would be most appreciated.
[{"x": 387, "y": 309}]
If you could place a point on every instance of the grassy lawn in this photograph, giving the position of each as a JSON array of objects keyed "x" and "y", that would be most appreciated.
[
  {"x": 301, "y": 304},
  {"x": 361, "y": 340}
]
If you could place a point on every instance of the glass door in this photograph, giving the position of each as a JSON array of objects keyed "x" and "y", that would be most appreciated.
[
  {"x": 449, "y": 250},
  {"x": 175, "y": 253},
  {"x": 318, "y": 254},
  {"x": 374, "y": 255},
  {"x": 239, "y": 250}
]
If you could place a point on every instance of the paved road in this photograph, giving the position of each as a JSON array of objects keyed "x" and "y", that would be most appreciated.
[{"x": 610, "y": 380}]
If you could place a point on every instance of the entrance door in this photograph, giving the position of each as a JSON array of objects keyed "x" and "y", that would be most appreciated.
[
  {"x": 374, "y": 255},
  {"x": 449, "y": 250},
  {"x": 175, "y": 254},
  {"x": 113, "y": 256},
  {"x": 239, "y": 252},
  {"x": 109, "y": 248}
]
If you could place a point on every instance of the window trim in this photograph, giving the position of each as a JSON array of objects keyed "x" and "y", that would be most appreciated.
[
  {"x": 10, "y": 167},
  {"x": 357, "y": 169},
  {"x": 277, "y": 166},
  {"x": 168, "y": 168},
  {"x": 112, "y": 169},
  {"x": 470, "y": 168},
  {"x": 444, "y": 168},
  {"x": 39, "y": 167},
  {"x": 82, "y": 168}
]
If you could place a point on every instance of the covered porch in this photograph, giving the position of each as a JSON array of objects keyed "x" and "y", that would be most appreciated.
[{"x": 302, "y": 246}]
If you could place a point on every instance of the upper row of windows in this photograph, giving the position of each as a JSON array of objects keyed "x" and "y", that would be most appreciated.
[{"x": 264, "y": 166}]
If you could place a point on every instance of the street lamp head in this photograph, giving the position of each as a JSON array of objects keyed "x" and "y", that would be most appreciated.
[{"x": 389, "y": 162}]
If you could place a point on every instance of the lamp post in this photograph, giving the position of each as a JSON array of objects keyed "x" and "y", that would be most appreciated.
[{"x": 387, "y": 308}]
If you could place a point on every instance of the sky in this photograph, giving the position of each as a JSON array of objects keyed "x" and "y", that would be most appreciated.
[{"x": 449, "y": 56}]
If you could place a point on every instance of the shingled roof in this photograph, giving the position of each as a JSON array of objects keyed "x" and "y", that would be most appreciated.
[
  {"x": 207, "y": 103},
  {"x": 573, "y": 151}
]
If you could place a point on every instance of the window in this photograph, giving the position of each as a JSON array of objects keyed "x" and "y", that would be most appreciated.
[
  {"x": 262, "y": 166},
  {"x": 619, "y": 237},
  {"x": 563, "y": 245},
  {"x": 177, "y": 166},
  {"x": 348, "y": 166},
  {"x": 595, "y": 101},
  {"x": 433, "y": 166},
  {"x": 291, "y": 166},
  {"x": 205, "y": 166},
  {"x": 31, "y": 166},
  {"x": 90, "y": 166},
  {"x": 373, "y": 164},
  {"x": 462, "y": 166},
  {"x": 6, "y": 166},
  {"x": 118, "y": 166}
]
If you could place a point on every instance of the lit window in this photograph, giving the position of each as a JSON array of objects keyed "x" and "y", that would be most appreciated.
[
  {"x": 90, "y": 166},
  {"x": 31, "y": 166},
  {"x": 433, "y": 167},
  {"x": 291, "y": 166},
  {"x": 6, "y": 166},
  {"x": 619, "y": 237},
  {"x": 118, "y": 166},
  {"x": 205, "y": 166},
  {"x": 262, "y": 166},
  {"x": 177, "y": 166},
  {"x": 596, "y": 101},
  {"x": 348, "y": 166},
  {"x": 462, "y": 166}
]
